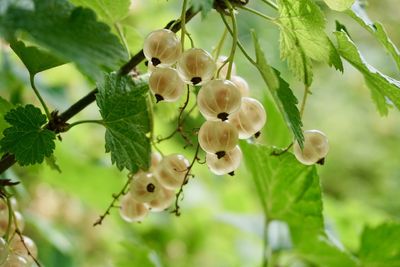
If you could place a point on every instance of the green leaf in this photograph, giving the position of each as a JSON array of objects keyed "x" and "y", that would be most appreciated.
[
  {"x": 303, "y": 38},
  {"x": 5, "y": 107},
  {"x": 339, "y": 5},
  {"x": 110, "y": 11},
  {"x": 376, "y": 29},
  {"x": 380, "y": 246},
  {"x": 123, "y": 106},
  {"x": 291, "y": 192},
  {"x": 205, "y": 6},
  {"x": 281, "y": 92},
  {"x": 26, "y": 139},
  {"x": 52, "y": 163},
  {"x": 34, "y": 59},
  {"x": 382, "y": 86},
  {"x": 5, "y": 4},
  {"x": 71, "y": 34}
]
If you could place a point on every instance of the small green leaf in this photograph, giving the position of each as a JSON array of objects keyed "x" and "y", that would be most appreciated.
[
  {"x": 26, "y": 139},
  {"x": 110, "y": 11},
  {"x": 281, "y": 92},
  {"x": 382, "y": 86},
  {"x": 123, "y": 106},
  {"x": 52, "y": 163},
  {"x": 339, "y": 5},
  {"x": 380, "y": 246},
  {"x": 34, "y": 59},
  {"x": 358, "y": 14},
  {"x": 291, "y": 193},
  {"x": 70, "y": 34},
  {"x": 303, "y": 38},
  {"x": 5, "y": 107},
  {"x": 205, "y": 6}
]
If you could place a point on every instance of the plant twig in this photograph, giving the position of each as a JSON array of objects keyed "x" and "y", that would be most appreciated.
[
  {"x": 115, "y": 198},
  {"x": 46, "y": 109}
]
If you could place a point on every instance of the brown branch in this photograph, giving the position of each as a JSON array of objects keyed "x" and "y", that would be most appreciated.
[{"x": 58, "y": 121}]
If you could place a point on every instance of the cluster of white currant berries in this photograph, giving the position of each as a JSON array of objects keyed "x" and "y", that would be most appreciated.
[
  {"x": 315, "y": 148},
  {"x": 230, "y": 114},
  {"x": 154, "y": 190},
  {"x": 13, "y": 252}
]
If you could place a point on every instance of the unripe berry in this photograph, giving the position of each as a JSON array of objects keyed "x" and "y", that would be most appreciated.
[
  {"x": 315, "y": 149},
  {"x": 196, "y": 66},
  {"x": 241, "y": 84},
  {"x": 144, "y": 187},
  {"x": 3, "y": 251},
  {"x": 131, "y": 210},
  {"x": 163, "y": 200},
  {"x": 222, "y": 73},
  {"x": 15, "y": 261},
  {"x": 166, "y": 84},
  {"x": 217, "y": 137},
  {"x": 162, "y": 48},
  {"x": 4, "y": 222},
  {"x": 217, "y": 99},
  {"x": 250, "y": 118},
  {"x": 225, "y": 165},
  {"x": 172, "y": 171}
]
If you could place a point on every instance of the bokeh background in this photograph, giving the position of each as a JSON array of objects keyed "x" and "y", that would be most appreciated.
[{"x": 221, "y": 221}]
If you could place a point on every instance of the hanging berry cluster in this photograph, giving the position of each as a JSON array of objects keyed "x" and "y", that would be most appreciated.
[{"x": 15, "y": 249}]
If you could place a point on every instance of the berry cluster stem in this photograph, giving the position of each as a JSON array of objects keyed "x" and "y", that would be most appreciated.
[
  {"x": 234, "y": 39},
  {"x": 46, "y": 109},
  {"x": 183, "y": 24}
]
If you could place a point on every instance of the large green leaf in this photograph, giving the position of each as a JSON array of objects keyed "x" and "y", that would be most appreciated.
[
  {"x": 110, "y": 11},
  {"x": 280, "y": 90},
  {"x": 382, "y": 87},
  {"x": 358, "y": 13},
  {"x": 123, "y": 106},
  {"x": 339, "y": 5},
  {"x": 380, "y": 246},
  {"x": 291, "y": 193},
  {"x": 26, "y": 139},
  {"x": 34, "y": 59},
  {"x": 71, "y": 34},
  {"x": 303, "y": 38}
]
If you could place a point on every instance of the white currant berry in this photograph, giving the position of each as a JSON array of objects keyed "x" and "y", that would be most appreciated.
[
  {"x": 144, "y": 187},
  {"x": 15, "y": 261},
  {"x": 18, "y": 248},
  {"x": 155, "y": 160},
  {"x": 315, "y": 148},
  {"x": 224, "y": 70},
  {"x": 163, "y": 200},
  {"x": 171, "y": 171},
  {"x": 162, "y": 48},
  {"x": 218, "y": 137},
  {"x": 4, "y": 222},
  {"x": 217, "y": 99},
  {"x": 166, "y": 84},
  {"x": 131, "y": 210},
  {"x": 250, "y": 118},
  {"x": 196, "y": 66},
  {"x": 3, "y": 251},
  {"x": 241, "y": 84},
  {"x": 225, "y": 165}
]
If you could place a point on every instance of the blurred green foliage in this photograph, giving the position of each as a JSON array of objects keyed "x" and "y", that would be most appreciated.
[{"x": 221, "y": 222}]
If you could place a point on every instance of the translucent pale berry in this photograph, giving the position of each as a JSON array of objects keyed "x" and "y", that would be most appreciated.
[
  {"x": 155, "y": 159},
  {"x": 316, "y": 147},
  {"x": 217, "y": 99},
  {"x": 225, "y": 165},
  {"x": 172, "y": 170},
  {"x": 162, "y": 48},
  {"x": 18, "y": 248},
  {"x": 250, "y": 118},
  {"x": 144, "y": 187},
  {"x": 3, "y": 251},
  {"x": 131, "y": 210},
  {"x": 196, "y": 66},
  {"x": 163, "y": 201},
  {"x": 222, "y": 73},
  {"x": 218, "y": 137},
  {"x": 15, "y": 261},
  {"x": 241, "y": 84},
  {"x": 166, "y": 84},
  {"x": 4, "y": 222}
]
